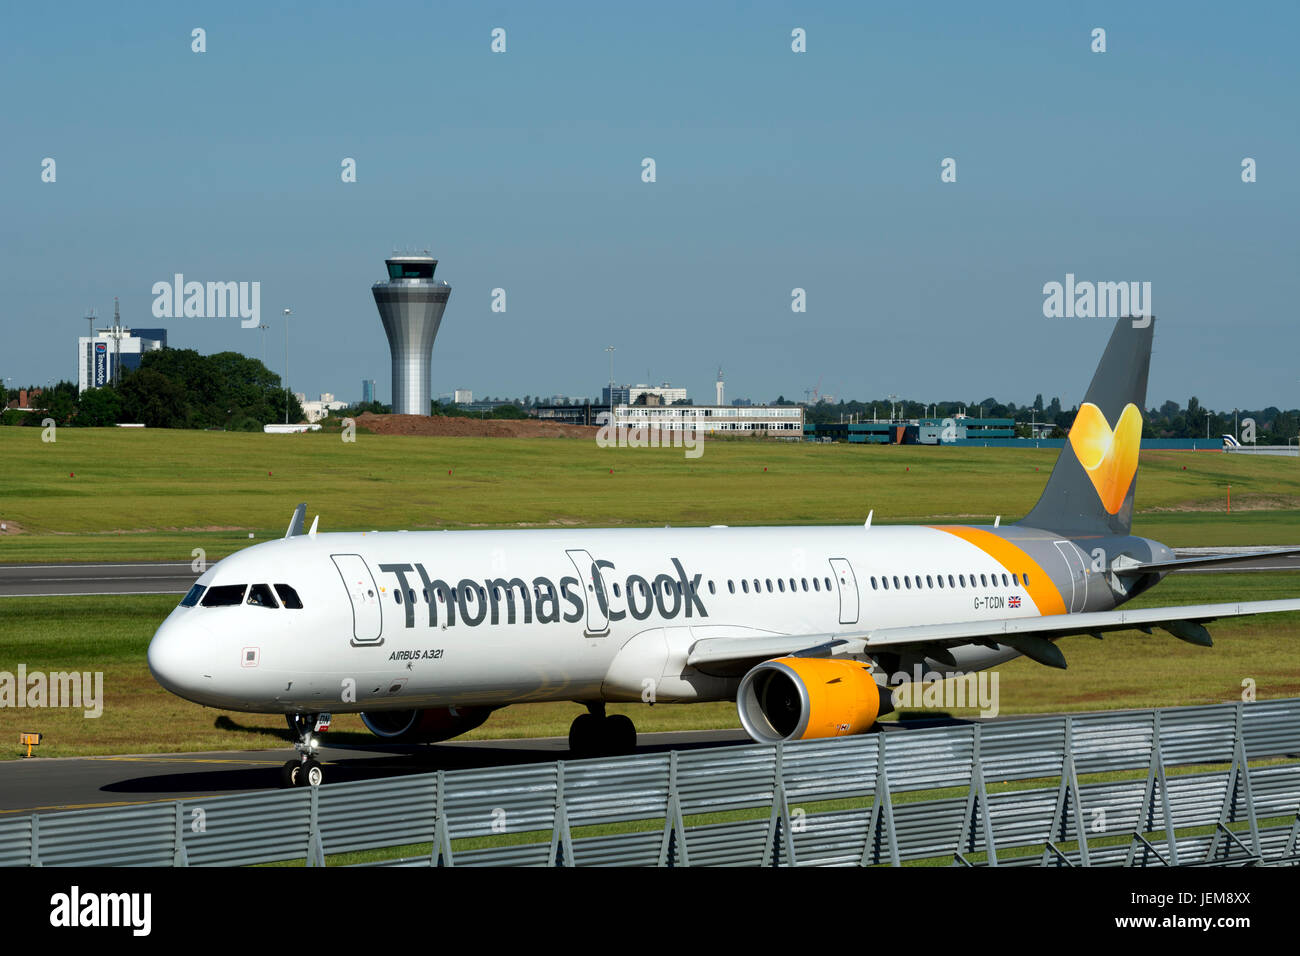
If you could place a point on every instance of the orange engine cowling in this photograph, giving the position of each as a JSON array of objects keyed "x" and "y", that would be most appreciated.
[{"x": 801, "y": 698}]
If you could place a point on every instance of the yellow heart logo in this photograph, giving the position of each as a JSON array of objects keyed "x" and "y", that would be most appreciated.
[{"x": 1110, "y": 458}]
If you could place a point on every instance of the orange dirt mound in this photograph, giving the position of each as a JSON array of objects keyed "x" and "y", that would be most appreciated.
[{"x": 443, "y": 426}]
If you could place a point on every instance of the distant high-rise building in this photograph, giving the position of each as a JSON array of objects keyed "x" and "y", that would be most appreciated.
[
  {"x": 411, "y": 303},
  {"x": 367, "y": 390},
  {"x": 463, "y": 396}
]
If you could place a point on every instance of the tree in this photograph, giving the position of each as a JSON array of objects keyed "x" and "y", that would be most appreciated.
[
  {"x": 99, "y": 407},
  {"x": 151, "y": 398}
]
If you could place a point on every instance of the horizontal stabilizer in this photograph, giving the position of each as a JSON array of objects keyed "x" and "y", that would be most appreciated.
[{"x": 1223, "y": 561}]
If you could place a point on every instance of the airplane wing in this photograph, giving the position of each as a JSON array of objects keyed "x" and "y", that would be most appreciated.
[{"x": 1031, "y": 636}]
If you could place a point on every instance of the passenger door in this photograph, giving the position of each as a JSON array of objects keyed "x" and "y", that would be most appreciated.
[
  {"x": 847, "y": 585},
  {"x": 593, "y": 592},
  {"x": 367, "y": 621}
]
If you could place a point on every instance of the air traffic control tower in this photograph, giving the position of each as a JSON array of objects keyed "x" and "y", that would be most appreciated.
[{"x": 411, "y": 303}]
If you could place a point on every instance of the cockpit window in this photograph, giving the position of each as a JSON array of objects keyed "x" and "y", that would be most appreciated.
[
  {"x": 224, "y": 595},
  {"x": 288, "y": 597},
  {"x": 192, "y": 598},
  {"x": 261, "y": 596}
]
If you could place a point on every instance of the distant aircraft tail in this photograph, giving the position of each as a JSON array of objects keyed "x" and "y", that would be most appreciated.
[{"x": 1092, "y": 486}]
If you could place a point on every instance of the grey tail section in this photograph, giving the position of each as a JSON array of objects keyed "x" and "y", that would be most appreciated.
[{"x": 1069, "y": 505}]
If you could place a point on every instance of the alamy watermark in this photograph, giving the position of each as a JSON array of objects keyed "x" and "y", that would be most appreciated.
[
  {"x": 212, "y": 300},
  {"x": 58, "y": 689},
  {"x": 1098, "y": 300},
  {"x": 682, "y": 433},
  {"x": 930, "y": 690}
]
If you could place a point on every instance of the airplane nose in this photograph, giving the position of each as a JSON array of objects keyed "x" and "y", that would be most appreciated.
[{"x": 176, "y": 656}]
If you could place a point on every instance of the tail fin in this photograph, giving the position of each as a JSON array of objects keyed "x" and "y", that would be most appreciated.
[{"x": 1092, "y": 486}]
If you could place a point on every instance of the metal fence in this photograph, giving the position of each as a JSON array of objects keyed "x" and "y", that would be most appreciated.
[{"x": 997, "y": 794}]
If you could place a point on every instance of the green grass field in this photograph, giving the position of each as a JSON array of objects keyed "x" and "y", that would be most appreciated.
[
  {"x": 159, "y": 494},
  {"x": 1128, "y": 669}
]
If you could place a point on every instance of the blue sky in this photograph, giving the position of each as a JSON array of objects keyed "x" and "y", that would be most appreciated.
[{"x": 775, "y": 170}]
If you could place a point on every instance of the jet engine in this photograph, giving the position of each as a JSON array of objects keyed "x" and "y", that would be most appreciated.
[
  {"x": 424, "y": 726},
  {"x": 801, "y": 698}
]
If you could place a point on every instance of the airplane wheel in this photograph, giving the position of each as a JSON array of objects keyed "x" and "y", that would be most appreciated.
[
  {"x": 620, "y": 734},
  {"x": 311, "y": 774},
  {"x": 584, "y": 735},
  {"x": 289, "y": 774}
]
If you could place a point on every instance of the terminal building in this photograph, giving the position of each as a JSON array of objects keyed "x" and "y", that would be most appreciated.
[
  {"x": 102, "y": 358},
  {"x": 773, "y": 421}
]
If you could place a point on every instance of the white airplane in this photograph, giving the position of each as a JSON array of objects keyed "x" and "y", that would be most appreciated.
[{"x": 426, "y": 633}]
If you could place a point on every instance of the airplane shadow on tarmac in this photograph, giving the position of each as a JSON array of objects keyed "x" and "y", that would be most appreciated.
[{"x": 348, "y": 759}]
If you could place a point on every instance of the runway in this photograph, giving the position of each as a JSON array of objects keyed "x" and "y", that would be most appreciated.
[
  {"x": 175, "y": 577},
  {"x": 127, "y": 577}
]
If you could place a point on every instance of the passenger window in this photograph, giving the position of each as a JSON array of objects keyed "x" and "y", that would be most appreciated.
[
  {"x": 769, "y": 585},
  {"x": 828, "y": 583},
  {"x": 1005, "y": 582},
  {"x": 397, "y": 595},
  {"x": 884, "y": 581},
  {"x": 288, "y": 597},
  {"x": 711, "y": 590},
  {"x": 225, "y": 595},
  {"x": 951, "y": 583},
  {"x": 731, "y": 586},
  {"x": 984, "y": 580},
  {"x": 1025, "y": 578},
  {"x": 873, "y": 583},
  {"x": 817, "y": 584},
  {"x": 744, "y": 585},
  {"x": 804, "y": 582},
  {"x": 260, "y": 595},
  {"x": 939, "y": 578},
  {"x": 896, "y": 584},
  {"x": 780, "y": 583},
  {"x": 929, "y": 581},
  {"x": 192, "y": 598}
]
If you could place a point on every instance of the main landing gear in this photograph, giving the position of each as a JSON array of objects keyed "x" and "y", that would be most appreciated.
[
  {"x": 594, "y": 734},
  {"x": 305, "y": 770}
]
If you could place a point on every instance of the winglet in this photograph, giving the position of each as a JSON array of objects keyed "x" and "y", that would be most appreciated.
[
  {"x": 314, "y": 522},
  {"x": 295, "y": 524},
  {"x": 870, "y": 514}
]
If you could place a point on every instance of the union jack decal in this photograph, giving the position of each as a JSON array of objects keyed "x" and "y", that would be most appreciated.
[{"x": 1014, "y": 602}]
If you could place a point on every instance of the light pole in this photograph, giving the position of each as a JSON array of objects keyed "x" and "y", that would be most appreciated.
[
  {"x": 287, "y": 313},
  {"x": 263, "y": 328}
]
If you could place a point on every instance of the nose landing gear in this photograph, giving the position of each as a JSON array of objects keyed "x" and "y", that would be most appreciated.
[{"x": 305, "y": 770}]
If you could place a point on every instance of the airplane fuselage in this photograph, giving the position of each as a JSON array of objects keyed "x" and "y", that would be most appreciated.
[{"x": 408, "y": 620}]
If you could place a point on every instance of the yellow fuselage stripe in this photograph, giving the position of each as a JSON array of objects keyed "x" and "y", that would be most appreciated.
[{"x": 1042, "y": 589}]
